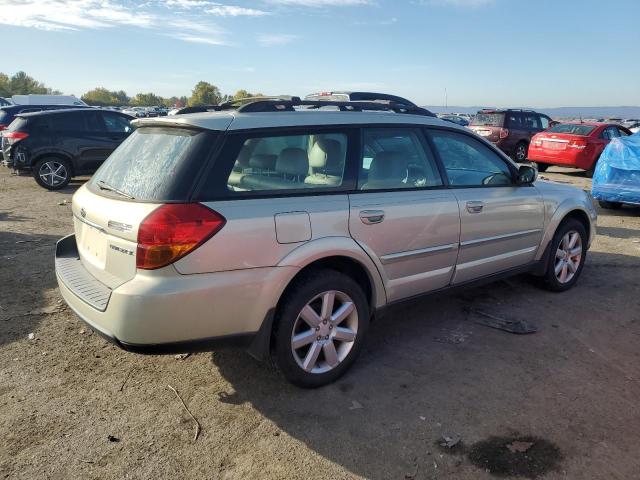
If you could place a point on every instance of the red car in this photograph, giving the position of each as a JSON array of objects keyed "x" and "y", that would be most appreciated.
[{"x": 576, "y": 145}]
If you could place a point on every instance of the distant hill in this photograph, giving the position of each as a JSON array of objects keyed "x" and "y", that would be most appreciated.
[{"x": 557, "y": 112}]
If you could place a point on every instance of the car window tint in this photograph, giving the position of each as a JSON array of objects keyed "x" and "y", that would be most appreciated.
[
  {"x": 68, "y": 122},
  {"x": 116, "y": 123},
  {"x": 468, "y": 162},
  {"x": 94, "y": 122},
  {"x": 531, "y": 121},
  {"x": 610, "y": 133},
  {"x": 622, "y": 133},
  {"x": 289, "y": 162},
  {"x": 395, "y": 158},
  {"x": 544, "y": 121},
  {"x": 514, "y": 121}
]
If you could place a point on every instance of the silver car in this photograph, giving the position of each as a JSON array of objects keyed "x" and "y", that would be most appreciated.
[{"x": 283, "y": 229}]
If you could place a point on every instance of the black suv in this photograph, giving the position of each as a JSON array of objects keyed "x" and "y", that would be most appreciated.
[
  {"x": 8, "y": 112},
  {"x": 510, "y": 129},
  {"x": 59, "y": 144}
]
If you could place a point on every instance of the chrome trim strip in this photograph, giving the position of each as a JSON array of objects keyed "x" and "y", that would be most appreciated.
[
  {"x": 396, "y": 257},
  {"x": 91, "y": 224},
  {"x": 121, "y": 227},
  {"x": 502, "y": 256},
  {"x": 523, "y": 233},
  {"x": 557, "y": 140}
]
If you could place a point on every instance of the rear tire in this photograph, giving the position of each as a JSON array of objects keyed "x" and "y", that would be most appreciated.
[
  {"x": 52, "y": 173},
  {"x": 610, "y": 205},
  {"x": 568, "y": 252},
  {"x": 521, "y": 152},
  {"x": 318, "y": 349},
  {"x": 542, "y": 167}
]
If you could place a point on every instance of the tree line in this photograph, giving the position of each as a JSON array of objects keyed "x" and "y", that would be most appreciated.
[{"x": 204, "y": 93}]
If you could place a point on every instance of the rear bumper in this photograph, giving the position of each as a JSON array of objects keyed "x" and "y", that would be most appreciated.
[
  {"x": 570, "y": 158},
  {"x": 165, "y": 312}
]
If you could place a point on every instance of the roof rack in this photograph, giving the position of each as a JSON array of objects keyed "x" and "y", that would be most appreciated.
[{"x": 288, "y": 104}]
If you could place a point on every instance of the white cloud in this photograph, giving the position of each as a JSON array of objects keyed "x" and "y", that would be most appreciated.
[
  {"x": 184, "y": 20},
  {"x": 186, "y": 37},
  {"x": 71, "y": 14},
  {"x": 460, "y": 3},
  {"x": 233, "y": 11},
  {"x": 276, "y": 40},
  {"x": 321, "y": 3}
]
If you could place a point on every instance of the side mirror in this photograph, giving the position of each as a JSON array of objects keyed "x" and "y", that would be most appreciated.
[{"x": 526, "y": 175}]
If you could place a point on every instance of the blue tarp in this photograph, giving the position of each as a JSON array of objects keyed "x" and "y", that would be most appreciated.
[{"x": 617, "y": 174}]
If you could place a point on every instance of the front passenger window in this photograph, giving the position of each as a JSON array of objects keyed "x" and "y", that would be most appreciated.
[{"x": 468, "y": 162}]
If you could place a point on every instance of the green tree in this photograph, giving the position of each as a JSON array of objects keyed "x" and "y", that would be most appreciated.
[
  {"x": 205, "y": 94},
  {"x": 241, "y": 94},
  {"x": 4, "y": 85},
  {"x": 147, "y": 99},
  {"x": 23, "y": 84},
  {"x": 99, "y": 96}
]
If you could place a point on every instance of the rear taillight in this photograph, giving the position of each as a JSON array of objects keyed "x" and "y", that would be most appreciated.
[
  {"x": 504, "y": 132},
  {"x": 13, "y": 137},
  {"x": 172, "y": 231},
  {"x": 3, "y": 126},
  {"x": 537, "y": 141},
  {"x": 579, "y": 144}
]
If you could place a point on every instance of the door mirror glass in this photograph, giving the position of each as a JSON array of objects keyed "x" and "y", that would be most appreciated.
[{"x": 527, "y": 174}]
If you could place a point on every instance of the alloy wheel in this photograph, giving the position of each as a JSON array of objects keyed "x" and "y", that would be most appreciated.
[
  {"x": 521, "y": 152},
  {"x": 568, "y": 256},
  {"x": 53, "y": 173},
  {"x": 324, "y": 332}
]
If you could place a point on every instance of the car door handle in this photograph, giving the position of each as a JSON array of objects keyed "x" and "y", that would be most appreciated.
[
  {"x": 475, "y": 207},
  {"x": 370, "y": 217}
]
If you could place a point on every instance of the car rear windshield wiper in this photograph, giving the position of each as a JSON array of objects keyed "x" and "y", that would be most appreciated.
[{"x": 109, "y": 188}]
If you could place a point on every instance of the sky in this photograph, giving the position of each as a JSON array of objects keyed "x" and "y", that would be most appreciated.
[{"x": 538, "y": 53}]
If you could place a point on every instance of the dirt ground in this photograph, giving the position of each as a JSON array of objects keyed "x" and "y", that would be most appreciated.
[{"x": 74, "y": 406}]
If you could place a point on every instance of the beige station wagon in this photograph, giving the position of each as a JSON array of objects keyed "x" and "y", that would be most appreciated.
[{"x": 284, "y": 226}]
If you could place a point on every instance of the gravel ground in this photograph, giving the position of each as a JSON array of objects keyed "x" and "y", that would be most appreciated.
[{"x": 74, "y": 406}]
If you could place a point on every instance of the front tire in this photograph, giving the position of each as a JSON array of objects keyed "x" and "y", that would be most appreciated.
[
  {"x": 52, "y": 173},
  {"x": 320, "y": 327},
  {"x": 568, "y": 252}
]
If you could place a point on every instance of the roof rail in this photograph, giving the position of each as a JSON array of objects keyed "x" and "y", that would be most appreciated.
[{"x": 287, "y": 104}]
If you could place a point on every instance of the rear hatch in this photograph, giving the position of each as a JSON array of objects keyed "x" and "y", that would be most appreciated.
[
  {"x": 156, "y": 165},
  {"x": 488, "y": 125}
]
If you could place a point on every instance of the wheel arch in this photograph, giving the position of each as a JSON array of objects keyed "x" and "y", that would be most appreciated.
[
  {"x": 342, "y": 254},
  {"x": 561, "y": 216}
]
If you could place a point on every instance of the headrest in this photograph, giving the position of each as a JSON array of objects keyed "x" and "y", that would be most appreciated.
[
  {"x": 293, "y": 161},
  {"x": 326, "y": 154},
  {"x": 388, "y": 166},
  {"x": 263, "y": 161}
]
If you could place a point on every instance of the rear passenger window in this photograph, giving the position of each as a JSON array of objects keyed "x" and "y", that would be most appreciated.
[
  {"x": 289, "y": 162},
  {"x": 544, "y": 121},
  {"x": 395, "y": 158},
  {"x": 68, "y": 122},
  {"x": 468, "y": 162}
]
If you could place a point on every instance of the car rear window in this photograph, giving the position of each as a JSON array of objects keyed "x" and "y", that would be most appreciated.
[
  {"x": 488, "y": 119},
  {"x": 573, "y": 129},
  {"x": 5, "y": 117},
  {"x": 156, "y": 163}
]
